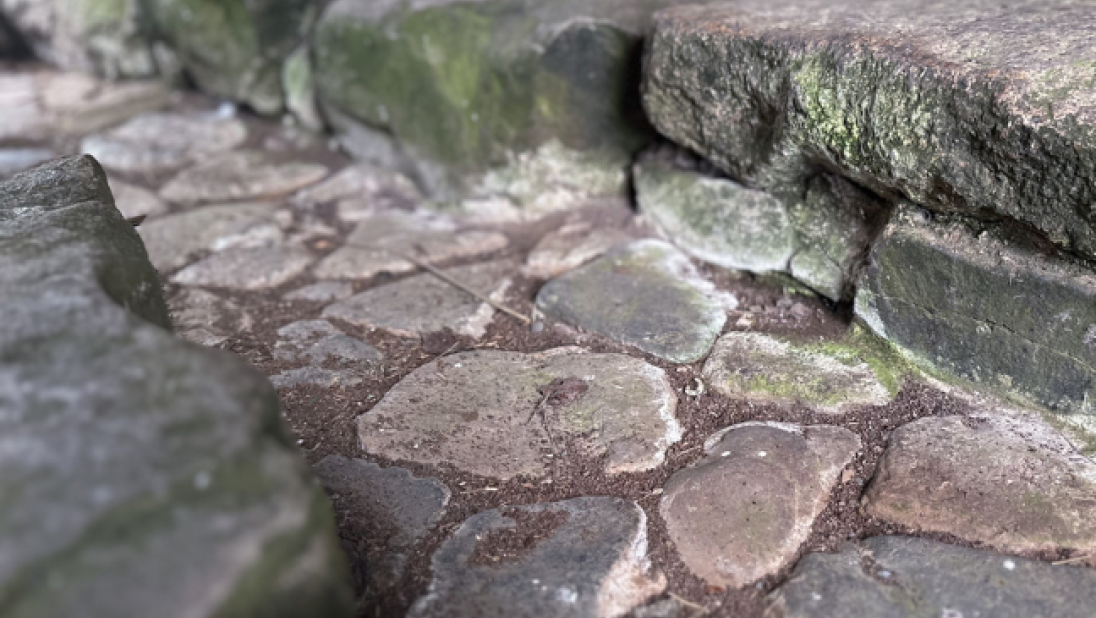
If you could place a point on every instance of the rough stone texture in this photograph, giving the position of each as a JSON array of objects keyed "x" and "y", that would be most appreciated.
[
  {"x": 246, "y": 175},
  {"x": 320, "y": 343},
  {"x": 158, "y": 142},
  {"x": 926, "y": 579},
  {"x": 248, "y": 268},
  {"x": 133, "y": 201},
  {"x": 41, "y": 105},
  {"x": 234, "y": 48},
  {"x": 646, "y": 294},
  {"x": 489, "y": 413},
  {"x": 400, "y": 508},
  {"x": 742, "y": 512},
  {"x": 206, "y": 318},
  {"x": 171, "y": 240},
  {"x": 322, "y": 292},
  {"x": 977, "y": 106},
  {"x": 976, "y": 302},
  {"x": 139, "y": 475},
  {"x": 377, "y": 242},
  {"x": 569, "y": 247},
  {"x": 594, "y": 565},
  {"x": 1008, "y": 482},
  {"x": 762, "y": 367}
]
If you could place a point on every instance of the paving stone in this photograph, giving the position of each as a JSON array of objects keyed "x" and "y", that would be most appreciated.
[
  {"x": 322, "y": 292},
  {"x": 247, "y": 268},
  {"x": 171, "y": 240},
  {"x": 646, "y": 294},
  {"x": 742, "y": 512},
  {"x": 14, "y": 160},
  {"x": 133, "y": 201},
  {"x": 399, "y": 508},
  {"x": 581, "y": 558},
  {"x": 1008, "y": 482},
  {"x": 569, "y": 247},
  {"x": 158, "y": 142},
  {"x": 42, "y": 105},
  {"x": 904, "y": 577},
  {"x": 319, "y": 342},
  {"x": 423, "y": 303},
  {"x": 829, "y": 377},
  {"x": 205, "y": 318},
  {"x": 500, "y": 414},
  {"x": 238, "y": 176},
  {"x": 375, "y": 244},
  {"x": 360, "y": 191}
]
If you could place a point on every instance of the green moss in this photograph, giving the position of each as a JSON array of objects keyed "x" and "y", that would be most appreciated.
[{"x": 98, "y": 14}]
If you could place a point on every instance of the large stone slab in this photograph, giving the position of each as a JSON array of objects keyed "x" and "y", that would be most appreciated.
[
  {"x": 904, "y": 577},
  {"x": 139, "y": 475},
  {"x": 171, "y": 240},
  {"x": 975, "y": 106},
  {"x": 237, "y": 176},
  {"x": 581, "y": 558},
  {"x": 248, "y": 268},
  {"x": 1004, "y": 481},
  {"x": 646, "y": 294},
  {"x": 165, "y": 141},
  {"x": 742, "y": 512},
  {"x": 503, "y": 414},
  {"x": 976, "y": 302}
]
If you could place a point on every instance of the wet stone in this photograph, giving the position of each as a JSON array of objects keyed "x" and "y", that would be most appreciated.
[
  {"x": 205, "y": 318},
  {"x": 569, "y": 247},
  {"x": 424, "y": 303},
  {"x": 133, "y": 201},
  {"x": 171, "y": 240},
  {"x": 502, "y": 414},
  {"x": 646, "y": 294},
  {"x": 771, "y": 369},
  {"x": 1007, "y": 481},
  {"x": 742, "y": 512},
  {"x": 239, "y": 176},
  {"x": 247, "y": 268},
  {"x": 322, "y": 292},
  {"x": 905, "y": 577},
  {"x": 581, "y": 558},
  {"x": 399, "y": 508},
  {"x": 160, "y": 142}
]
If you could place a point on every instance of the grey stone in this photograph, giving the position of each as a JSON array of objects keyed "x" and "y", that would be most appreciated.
[
  {"x": 592, "y": 565},
  {"x": 569, "y": 247},
  {"x": 829, "y": 377},
  {"x": 133, "y": 201},
  {"x": 929, "y": 580},
  {"x": 1003, "y": 481},
  {"x": 907, "y": 98},
  {"x": 247, "y": 268},
  {"x": 139, "y": 475},
  {"x": 743, "y": 512},
  {"x": 319, "y": 376},
  {"x": 320, "y": 340},
  {"x": 646, "y": 294},
  {"x": 400, "y": 509},
  {"x": 425, "y": 304},
  {"x": 361, "y": 191},
  {"x": 299, "y": 85},
  {"x": 171, "y": 240},
  {"x": 322, "y": 292},
  {"x": 972, "y": 301},
  {"x": 490, "y": 413},
  {"x": 205, "y": 318},
  {"x": 159, "y": 142},
  {"x": 240, "y": 176}
]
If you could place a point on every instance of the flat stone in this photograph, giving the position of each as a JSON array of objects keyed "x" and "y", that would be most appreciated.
[
  {"x": 362, "y": 190},
  {"x": 743, "y": 512},
  {"x": 171, "y": 240},
  {"x": 399, "y": 508},
  {"x": 14, "y": 160},
  {"x": 766, "y": 368},
  {"x": 320, "y": 342},
  {"x": 247, "y": 268},
  {"x": 569, "y": 247},
  {"x": 1008, "y": 482},
  {"x": 159, "y": 142},
  {"x": 133, "y": 201},
  {"x": 972, "y": 301},
  {"x": 646, "y": 294},
  {"x": 206, "y": 318},
  {"x": 237, "y": 176},
  {"x": 581, "y": 558},
  {"x": 322, "y": 292},
  {"x": 905, "y": 98},
  {"x": 482, "y": 412},
  {"x": 904, "y": 577},
  {"x": 425, "y": 304},
  {"x": 376, "y": 243}
]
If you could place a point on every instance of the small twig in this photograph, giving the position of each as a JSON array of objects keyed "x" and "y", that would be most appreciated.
[
  {"x": 689, "y": 604},
  {"x": 1071, "y": 560}
]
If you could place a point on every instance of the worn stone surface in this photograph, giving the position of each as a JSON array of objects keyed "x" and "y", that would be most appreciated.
[
  {"x": 171, "y": 240},
  {"x": 376, "y": 244},
  {"x": 246, "y": 175},
  {"x": 925, "y": 578},
  {"x": 111, "y": 424},
  {"x": 593, "y": 565},
  {"x": 646, "y": 294},
  {"x": 206, "y": 318},
  {"x": 362, "y": 191},
  {"x": 569, "y": 247},
  {"x": 322, "y": 292},
  {"x": 979, "y": 107},
  {"x": 742, "y": 512},
  {"x": 400, "y": 508},
  {"x": 483, "y": 412},
  {"x": 321, "y": 343},
  {"x": 133, "y": 201},
  {"x": 767, "y": 368},
  {"x": 158, "y": 142},
  {"x": 425, "y": 304},
  {"x": 982, "y": 304},
  {"x": 248, "y": 268},
  {"x": 1009, "y": 482}
]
